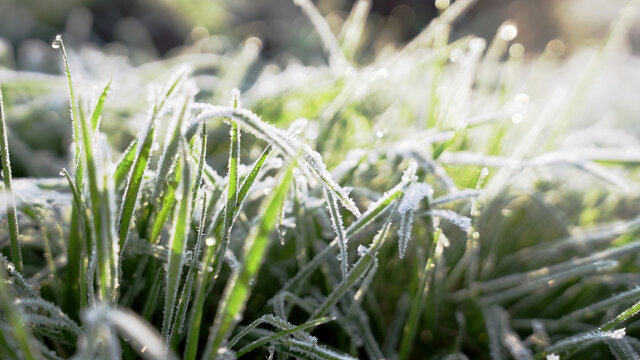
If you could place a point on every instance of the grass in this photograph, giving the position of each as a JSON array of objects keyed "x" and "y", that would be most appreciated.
[{"x": 426, "y": 204}]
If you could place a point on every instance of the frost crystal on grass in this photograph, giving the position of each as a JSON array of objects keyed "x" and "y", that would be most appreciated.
[
  {"x": 338, "y": 228},
  {"x": 414, "y": 194},
  {"x": 462, "y": 222}
]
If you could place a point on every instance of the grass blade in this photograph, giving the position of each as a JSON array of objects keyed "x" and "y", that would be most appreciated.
[
  {"x": 279, "y": 334},
  {"x": 202, "y": 280},
  {"x": 125, "y": 164},
  {"x": 177, "y": 246},
  {"x": 357, "y": 272},
  {"x": 97, "y": 111},
  {"x": 130, "y": 197},
  {"x": 14, "y": 235},
  {"x": 239, "y": 285}
]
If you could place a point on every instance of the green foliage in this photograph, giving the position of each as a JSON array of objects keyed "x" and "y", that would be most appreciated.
[{"x": 422, "y": 206}]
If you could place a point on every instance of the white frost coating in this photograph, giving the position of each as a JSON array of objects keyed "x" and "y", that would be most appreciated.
[
  {"x": 463, "y": 222},
  {"x": 362, "y": 250},
  {"x": 284, "y": 141},
  {"x": 619, "y": 334},
  {"x": 553, "y": 357},
  {"x": 338, "y": 228},
  {"x": 404, "y": 232},
  {"x": 410, "y": 201},
  {"x": 412, "y": 197},
  {"x": 457, "y": 195}
]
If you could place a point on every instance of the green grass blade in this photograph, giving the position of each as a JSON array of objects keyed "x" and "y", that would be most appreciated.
[
  {"x": 203, "y": 276},
  {"x": 14, "y": 235},
  {"x": 253, "y": 174},
  {"x": 15, "y": 319},
  {"x": 202, "y": 159},
  {"x": 279, "y": 334},
  {"x": 415, "y": 313},
  {"x": 131, "y": 193},
  {"x": 166, "y": 203},
  {"x": 177, "y": 247},
  {"x": 239, "y": 286},
  {"x": 357, "y": 272},
  {"x": 75, "y": 119},
  {"x": 232, "y": 194},
  {"x": 185, "y": 296},
  {"x": 125, "y": 164},
  {"x": 97, "y": 111},
  {"x": 103, "y": 240}
]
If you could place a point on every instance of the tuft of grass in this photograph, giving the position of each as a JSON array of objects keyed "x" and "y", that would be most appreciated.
[{"x": 402, "y": 207}]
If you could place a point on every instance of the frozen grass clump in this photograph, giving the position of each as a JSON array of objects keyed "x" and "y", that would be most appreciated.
[{"x": 444, "y": 200}]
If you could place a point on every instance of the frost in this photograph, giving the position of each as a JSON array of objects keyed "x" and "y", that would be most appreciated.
[
  {"x": 457, "y": 195},
  {"x": 338, "y": 228},
  {"x": 288, "y": 144},
  {"x": 412, "y": 197},
  {"x": 362, "y": 250},
  {"x": 462, "y": 222},
  {"x": 410, "y": 201}
]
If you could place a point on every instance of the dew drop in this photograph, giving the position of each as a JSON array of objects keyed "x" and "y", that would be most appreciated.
[
  {"x": 56, "y": 42},
  {"x": 209, "y": 242},
  {"x": 517, "y": 118},
  {"x": 508, "y": 32},
  {"x": 382, "y": 73}
]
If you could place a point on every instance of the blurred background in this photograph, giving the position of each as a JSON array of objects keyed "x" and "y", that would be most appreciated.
[
  {"x": 142, "y": 30},
  {"x": 112, "y": 39}
]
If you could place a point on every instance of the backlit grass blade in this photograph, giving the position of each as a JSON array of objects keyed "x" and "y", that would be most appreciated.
[
  {"x": 338, "y": 228},
  {"x": 77, "y": 251},
  {"x": 177, "y": 246},
  {"x": 310, "y": 161},
  {"x": 203, "y": 276},
  {"x": 14, "y": 236},
  {"x": 124, "y": 165},
  {"x": 99, "y": 229},
  {"x": 239, "y": 285},
  {"x": 372, "y": 213},
  {"x": 357, "y": 272},
  {"x": 232, "y": 188},
  {"x": 166, "y": 203},
  {"x": 97, "y": 111},
  {"x": 202, "y": 160},
  {"x": 75, "y": 118},
  {"x": 131, "y": 193}
]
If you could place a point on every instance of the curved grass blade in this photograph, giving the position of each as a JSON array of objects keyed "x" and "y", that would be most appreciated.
[
  {"x": 203, "y": 278},
  {"x": 131, "y": 193},
  {"x": 357, "y": 272},
  {"x": 97, "y": 111},
  {"x": 279, "y": 334},
  {"x": 304, "y": 350},
  {"x": 239, "y": 285},
  {"x": 79, "y": 169},
  {"x": 14, "y": 235},
  {"x": 338, "y": 228},
  {"x": 372, "y": 213},
  {"x": 125, "y": 164},
  {"x": 287, "y": 144}
]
